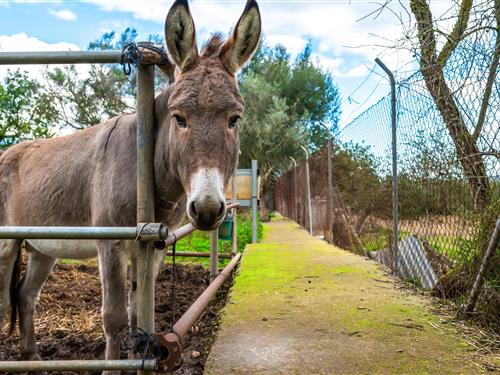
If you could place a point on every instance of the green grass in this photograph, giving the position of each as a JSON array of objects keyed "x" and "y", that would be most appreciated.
[
  {"x": 200, "y": 242},
  {"x": 375, "y": 239}
]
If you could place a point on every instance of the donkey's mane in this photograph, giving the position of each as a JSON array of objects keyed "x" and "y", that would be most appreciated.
[{"x": 213, "y": 46}]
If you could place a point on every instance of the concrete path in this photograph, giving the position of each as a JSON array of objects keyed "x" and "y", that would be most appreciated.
[{"x": 301, "y": 306}]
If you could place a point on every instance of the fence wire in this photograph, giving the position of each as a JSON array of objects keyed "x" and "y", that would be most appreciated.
[{"x": 439, "y": 201}]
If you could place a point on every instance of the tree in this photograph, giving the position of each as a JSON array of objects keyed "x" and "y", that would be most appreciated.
[
  {"x": 363, "y": 190},
  {"x": 27, "y": 110},
  {"x": 433, "y": 68},
  {"x": 286, "y": 103},
  {"x": 86, "y": 101},
  {"x": 460, "y": 70},
  {"x": 104, "y": 91}
]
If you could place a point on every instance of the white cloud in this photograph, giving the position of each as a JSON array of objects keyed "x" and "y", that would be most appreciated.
[
  {"x": 24, "y": 43},
  {"x": 113, "y": 25},
  {"x": 64, "y": 14},
  {"x": 294, "y": 44},
  {"x": 333, "y": 26}
]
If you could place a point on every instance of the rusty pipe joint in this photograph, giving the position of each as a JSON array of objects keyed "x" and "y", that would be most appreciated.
[{"x": 167, "y": 350}]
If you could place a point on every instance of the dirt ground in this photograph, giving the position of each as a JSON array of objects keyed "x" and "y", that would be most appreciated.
[{"x": 69, "y": 324}]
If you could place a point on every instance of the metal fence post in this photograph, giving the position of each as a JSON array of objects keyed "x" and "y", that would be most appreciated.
[
  {"x": 254, "y": 201},
  {"x": 395, "y": 239},
  {"x": 330, "y": 185},
  {"x": 145, "y": 197},
  {"x": 234, "y": 198},
  {"x": 308, "y": 191},
  {"x": 214, "y": 254}
]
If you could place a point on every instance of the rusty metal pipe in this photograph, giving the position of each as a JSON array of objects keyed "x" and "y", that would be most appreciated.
[
  {"x": 168, "y": 346},
  {"x": 190, "y": 317}
]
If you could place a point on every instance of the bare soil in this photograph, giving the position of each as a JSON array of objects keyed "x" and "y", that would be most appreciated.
[{"x": 69, "y": 324}]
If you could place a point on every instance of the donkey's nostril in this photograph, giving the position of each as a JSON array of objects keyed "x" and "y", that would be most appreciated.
[{"x": 192, "y": 209}]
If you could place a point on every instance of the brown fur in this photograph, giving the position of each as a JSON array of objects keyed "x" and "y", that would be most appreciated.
[
  {"x": 89, "y": 178},
  {"x": 14, "y": 285}
]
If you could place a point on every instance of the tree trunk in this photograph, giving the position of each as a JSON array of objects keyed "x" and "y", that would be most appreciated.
[
  {"x": 468, "y": 153},
  {"x": 432, "y": 69},
  {"x": 360, "y": 221},
  {"x": 265, "y": 211}
]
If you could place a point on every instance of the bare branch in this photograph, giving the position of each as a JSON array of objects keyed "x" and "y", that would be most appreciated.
[
  {"x": 491, "y": 77},
  {"x": 457, "y": 33}
]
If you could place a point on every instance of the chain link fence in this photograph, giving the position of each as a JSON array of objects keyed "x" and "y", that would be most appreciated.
[{"x": 449, "y": 195}]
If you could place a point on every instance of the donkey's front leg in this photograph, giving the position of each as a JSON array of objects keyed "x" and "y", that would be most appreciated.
[
  {"x": 39, "y": 268},
  {"x": 113, "y": 268}
]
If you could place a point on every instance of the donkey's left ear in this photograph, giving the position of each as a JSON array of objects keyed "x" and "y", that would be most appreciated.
[{"x": 245, "y": 39}]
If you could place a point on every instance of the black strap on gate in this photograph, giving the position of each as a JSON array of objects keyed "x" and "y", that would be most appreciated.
[{"x": 132, "y": 55}]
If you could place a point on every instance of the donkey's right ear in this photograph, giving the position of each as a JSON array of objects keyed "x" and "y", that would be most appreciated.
[{"x": 180, "y": 35}]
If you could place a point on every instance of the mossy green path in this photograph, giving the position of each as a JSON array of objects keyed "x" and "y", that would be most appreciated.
[{"x": 302, "y": 306}]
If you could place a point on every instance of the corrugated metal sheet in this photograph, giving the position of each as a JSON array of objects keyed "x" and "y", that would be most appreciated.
[{"x": 412, "y": 263}]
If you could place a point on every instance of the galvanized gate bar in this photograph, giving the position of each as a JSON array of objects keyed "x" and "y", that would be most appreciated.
[
  {"x": 74, "y": 57},
  {"x": 143, "y": 232},
  {"x": 145, "y": 199},
  {"x": 77, "y": 365}
]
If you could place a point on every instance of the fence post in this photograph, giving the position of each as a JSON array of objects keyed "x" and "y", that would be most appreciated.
[
  {"x": 145, "y": 197},
  {"x": 294, "y": 189},
  {"x": 395, "y": 244},
  {"x": 495, "y": 238},
  {"x": 308, "y": 191},
  {"x": 330, "y": 185},
  {"x": 234, "y": 198},
  {"x": 254, "y": 201},
  {"x": 214, "y": 254}
]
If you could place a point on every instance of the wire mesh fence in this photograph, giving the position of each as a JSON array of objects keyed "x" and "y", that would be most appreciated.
[{"x": 448, "y": 171}]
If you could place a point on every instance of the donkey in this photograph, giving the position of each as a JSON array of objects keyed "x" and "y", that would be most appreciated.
[{"x": 88, "y": 178}]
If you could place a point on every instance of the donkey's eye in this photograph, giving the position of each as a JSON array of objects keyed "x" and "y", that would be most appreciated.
[
  {"x": 233, "y": 121},
  {"x": 181, "y": 121}
]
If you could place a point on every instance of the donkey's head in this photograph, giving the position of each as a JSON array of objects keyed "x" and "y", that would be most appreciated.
[{"x": 205, "y": 107}]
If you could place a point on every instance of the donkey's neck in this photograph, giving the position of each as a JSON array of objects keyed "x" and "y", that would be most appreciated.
[{"x": 168, "y": 187}]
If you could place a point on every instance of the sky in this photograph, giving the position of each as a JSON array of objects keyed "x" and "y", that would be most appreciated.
[{"x": 345, "y": 35}]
